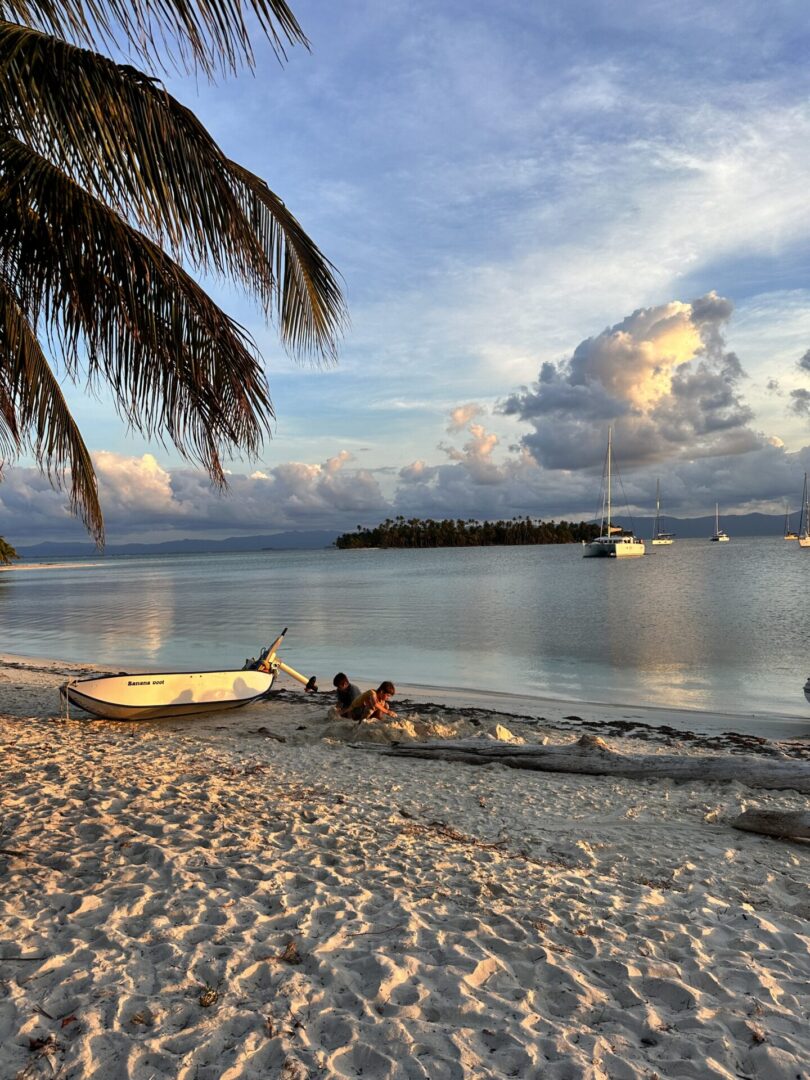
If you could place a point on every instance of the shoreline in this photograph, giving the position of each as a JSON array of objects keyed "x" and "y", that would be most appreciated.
[
  {"x": 551, "y": 711},
  {"x": 16, "y": 567}
]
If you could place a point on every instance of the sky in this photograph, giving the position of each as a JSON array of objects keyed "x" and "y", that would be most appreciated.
[{"x": 548, "y": 219}]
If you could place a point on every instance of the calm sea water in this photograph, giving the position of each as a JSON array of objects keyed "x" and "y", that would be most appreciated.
[{"x": 697, "y": 625}]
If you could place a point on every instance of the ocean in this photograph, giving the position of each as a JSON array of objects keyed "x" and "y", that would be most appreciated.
[{"x": 696, "y": 626}]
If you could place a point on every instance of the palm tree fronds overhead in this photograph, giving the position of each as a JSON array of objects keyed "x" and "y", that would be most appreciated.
[
  {"x": 175, "y": 362},
  {"x": 210, "y": 34},
  {"x": 33, "y": 412},
  {"x": 310, "y": 303},
  {"x": 101, "y": 169},
  {"x": 126, "y": 140}
]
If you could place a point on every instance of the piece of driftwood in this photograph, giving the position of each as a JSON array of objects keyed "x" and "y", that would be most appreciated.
[
  {"x": 592, "y": 756},
  {"x": 793, "y": 823}
]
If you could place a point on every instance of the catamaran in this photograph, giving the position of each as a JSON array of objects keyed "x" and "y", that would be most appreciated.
[
  {"x": 804, "y": 519},
  {"x": 658, "y": 536},
  {"x": 613, "y": 542},
  {"x": 720, "y": 536}
]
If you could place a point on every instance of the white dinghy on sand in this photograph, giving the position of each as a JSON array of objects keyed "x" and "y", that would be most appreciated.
[{"x": 162, "y": 695}]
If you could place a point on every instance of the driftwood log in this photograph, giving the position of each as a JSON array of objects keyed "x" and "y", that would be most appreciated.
[
  {"x": 592, "y": 756},
  {"x": 775, "y": 823}
]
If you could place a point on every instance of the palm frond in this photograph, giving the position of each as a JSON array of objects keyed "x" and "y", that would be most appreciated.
[
  {"x": 34, "y": 413},
  {"x": 121, "y": 136},
  {"x": 113, "y": 300},
  {"x": 209, "y": 34},
  {"x": 310, "y": 303}
]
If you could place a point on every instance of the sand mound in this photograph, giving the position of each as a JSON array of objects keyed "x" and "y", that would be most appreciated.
[{"x": 410, "y": 728}]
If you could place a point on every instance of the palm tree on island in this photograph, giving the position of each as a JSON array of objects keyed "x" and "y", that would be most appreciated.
[
  {"x": 7, "y": 552},
  {"x": 109, "y": 189}
]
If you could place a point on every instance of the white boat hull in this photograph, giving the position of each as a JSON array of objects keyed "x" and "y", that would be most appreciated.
[
  {"x": 167, "y": 694},
  {"x": 614, "y": 547},
  {"x": 719, "y": 539},
  {"x": 661, "y": 542},
  {"x": 804, "y": 541}
]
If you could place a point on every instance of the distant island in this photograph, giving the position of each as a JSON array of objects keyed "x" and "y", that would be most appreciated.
[{"x": 415, "y": 533}]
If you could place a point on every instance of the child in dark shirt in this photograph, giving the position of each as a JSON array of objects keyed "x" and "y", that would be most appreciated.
[{"x": 346, "y": 693}]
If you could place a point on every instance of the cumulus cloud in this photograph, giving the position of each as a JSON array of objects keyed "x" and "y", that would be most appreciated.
[
  {"x": 140, "y": 497},
  {"x": 803, "y": 363},
  {"x": 462, "y": 415},
  {"x": 662, "y": 376},
  {"x": 800, "y": 402},
  {"x": 476, "y": 455}
]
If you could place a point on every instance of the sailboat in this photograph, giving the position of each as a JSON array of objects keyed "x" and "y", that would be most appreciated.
[
  {"x": 804, "y": 518},
  {"x": 612, "y": 541},
  {"x": 720, "y": 536},
  {"x": 658, "y": 536},
  {"x": 789, "y": 533}
]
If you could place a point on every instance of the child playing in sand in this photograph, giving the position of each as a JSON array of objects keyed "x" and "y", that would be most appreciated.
[
  {"x": 347, "y": 693},
  {"x": 373, "y": 705}
]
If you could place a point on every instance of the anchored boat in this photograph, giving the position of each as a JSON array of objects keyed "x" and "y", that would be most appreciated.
[
  {"x": 660, "y": 537},
  {"x": 804, "y": 520},
  {"x": 720, "y": 535},
  {"x": 789, "y": 533},
  {"x": 158, "y": 696},
  {"x": 612, "y": 542}
]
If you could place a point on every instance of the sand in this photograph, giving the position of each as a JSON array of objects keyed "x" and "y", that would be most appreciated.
[{"x": 202, "y": 900}]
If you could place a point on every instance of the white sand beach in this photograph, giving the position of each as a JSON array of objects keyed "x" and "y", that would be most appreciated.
[{"x": 250, "y": 896}]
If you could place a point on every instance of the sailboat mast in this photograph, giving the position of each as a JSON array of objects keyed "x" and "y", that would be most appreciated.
[
  {"x": 657, "y": 507},
  {"x": 717, "y": 518},
  {"x": 610, "y": 439}
]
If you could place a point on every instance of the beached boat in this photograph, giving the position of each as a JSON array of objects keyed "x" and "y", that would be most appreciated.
[
  {"x": 720, "y": 536},
  {"x": 612, "y": 542},
  {"x": 163, "y": 694},
  {"x": 804, "y": 518},
  {"x": 659, "y": 537},
  {"x": 159, "y": 695},
  {"x": 789, "y": 533}
]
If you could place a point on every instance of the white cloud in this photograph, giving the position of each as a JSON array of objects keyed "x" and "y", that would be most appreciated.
[
  {"x": 139, "y": 497},
  {"x": 462, "y": 415},
  {"x": 662, "y": 376}
]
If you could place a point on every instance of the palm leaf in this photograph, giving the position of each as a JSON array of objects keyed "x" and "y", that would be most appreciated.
[
  {"x": 127, "y": 141},
  {"x": 117, "y": 304},
  {"x": 34, "y": 413},
  {"x": 210, "y": 34},
  {"x": 310, "y": 304}
]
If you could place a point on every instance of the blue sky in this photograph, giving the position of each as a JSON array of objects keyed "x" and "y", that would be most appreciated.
[{"x": 498, "y": 184}]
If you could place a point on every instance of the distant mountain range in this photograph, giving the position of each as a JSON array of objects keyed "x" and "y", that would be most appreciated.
[
  {"x": 688, "y": 528},
  {"x": 736, "y": 525},
  {"x": 284, "y": 541}
]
